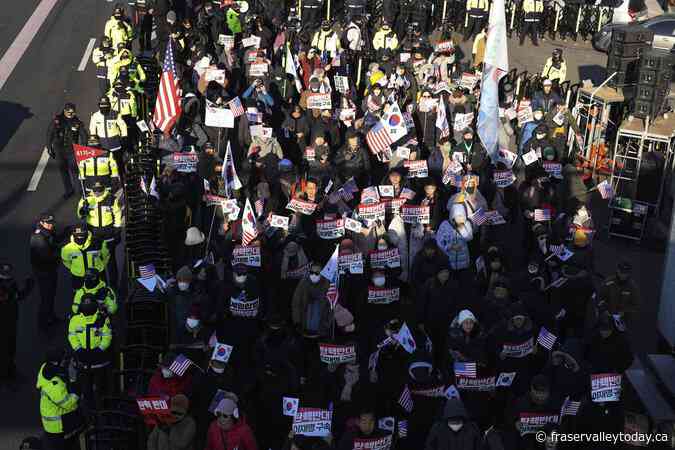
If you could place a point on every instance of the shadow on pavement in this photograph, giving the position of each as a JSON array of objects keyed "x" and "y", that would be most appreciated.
[
  {"x": 593, "y": 72},
  {"x": 13, "y": 116}
]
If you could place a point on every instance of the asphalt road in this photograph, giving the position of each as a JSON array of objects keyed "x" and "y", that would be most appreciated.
[{"x": 46, "y": 77}]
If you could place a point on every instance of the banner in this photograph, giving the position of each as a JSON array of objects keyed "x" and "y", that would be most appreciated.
[
  {"x": 301, "y": 207},
  {"x": 554, "y": 169},
  {"x": 330, "y": 229},
  {"x": 379, "y": 259},
  {"x": 436, "y": 391},
  {"x": 393, "y": 206},
  {"x": 242, "y": 307},
  {"x": 414, "y": 214},
  {"x": 511, "y": 350},
  {"x": 352, "y": 263},
  {"x": 219, "y": 117},
  {"x": 382, "y": 296},
  {"x": 337, "y": 354},
  {"x": 462, "y": 122},
  {"x": 504, "y": 178},
  {"x": 383, "y": 443},
  {"x": 319, "y": 101},
  {"x": 606, "y": 387},
  {"x": 155, "y": 410},
  {"x": 371, "y": 213},
  {"x": 417, "y": 168},
  {"x": 475, "y": 384},
  {"x": 258, "y": 70},
  {"x": 185, "y": 162},
  {"x": 83, "y": 152},
  {"x": 535, "y": 421},
  {"x": 249, "y": 256},
  {"x": 297, "y": 274},
  {"x": 312, "y": 422}
]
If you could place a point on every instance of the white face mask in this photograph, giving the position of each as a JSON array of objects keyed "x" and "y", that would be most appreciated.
[
  {"x": 182, "y": 286},
  {"x": 456, "y": 426},
  {"x": 166, "y": 373},
  {"x": 538, "y": 116},
  {"x": 381, "y": 246},
  {"x": 240, "y": 278},
  {"x": 378, "y": 281},
  {"x": 540, "y": 136},
  {"x": 314, "y": 278},
  {"x": 218, "y": 369},
  {"x": 192, "y": 323}
]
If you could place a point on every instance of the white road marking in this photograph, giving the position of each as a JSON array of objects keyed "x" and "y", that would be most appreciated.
[
  {"x": 42, "y": 164},
  {"x": 87, "y": 54},
  {"x": 15, "y": 51}
]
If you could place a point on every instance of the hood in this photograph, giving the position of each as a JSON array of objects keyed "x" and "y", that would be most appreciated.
[
  {"x": 454, "y": 408},
  {"x": 47, "y": 372}
]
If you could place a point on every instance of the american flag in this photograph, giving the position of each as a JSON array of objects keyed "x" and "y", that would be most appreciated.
[
  {"x": 465, "y": 369},
  {"x": 442, "y": 119},
  {"x": 236, "y": 107},
  {"x": 259, "y": 206},
  {"x": 606, "y": 190},
  {"x": 167, "y": 107},
  {"x": 479, "y": 217},
  {"x": 147, "y": 271},
  {"x": 248, "y": 225},
  {"x": 557, "y": 249},
  {"x": 546, "y": 339},
  {"x": 542, "y": 215},
  {"x": 378, "y": 138},
  {"x": 180, "y": 365},
  {"x": 144, "y": 187},
  {"x": 402, "y": 429},
  {"x": 405, "y": 400},
  {"x": 332, "y": 274},
  {"x": 569, "y": 408}
]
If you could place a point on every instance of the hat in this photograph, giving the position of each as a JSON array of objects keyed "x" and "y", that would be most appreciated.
[
  {"x": 540, "y": 382},
  {"x": 465, "y": 314},
  {"x": 548, "y": 151},
  {"x": 467, "y": 130},
  {"x": 47, "y": 217},
  {"x": 80, "y": 229},
  {"x": 580, "y": 238},
  {"x": 285, "y": 165},
  {"x": 184, "y": 273},
  {"x": 180, "y": 403},
  {"x": 538, "y": 230},
  {"x": 171, "y": 16},
  {"x": 228, "y": 407},
  {"x": 547, "y": 82},
  {"x": 342, "y": 316},
  {"x": 194, "y": 236}
]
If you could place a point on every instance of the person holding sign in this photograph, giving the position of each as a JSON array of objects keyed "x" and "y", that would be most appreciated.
[
  {"x": 473, "y": 159},
  {"x": 179, "y": 434},
  {"x": 258, "y": 92},
  {"x": 366, "y": 430}
]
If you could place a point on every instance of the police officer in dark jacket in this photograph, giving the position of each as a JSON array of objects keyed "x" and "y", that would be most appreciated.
[
  {"x": 10, "y": 296},
  {"x": 311, "y": 13},
  {"x": 45, "y": 258},
  {"x": 65, "y": 130}
]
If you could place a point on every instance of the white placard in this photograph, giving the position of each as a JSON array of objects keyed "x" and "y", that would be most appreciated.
[{"x": 219, "y": 117}]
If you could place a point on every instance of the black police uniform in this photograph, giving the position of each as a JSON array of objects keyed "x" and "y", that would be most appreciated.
[
  {"x": 61, "y": 136},
  {"x": 45, "y": 259},
  {"x": 312, "y": 13}
]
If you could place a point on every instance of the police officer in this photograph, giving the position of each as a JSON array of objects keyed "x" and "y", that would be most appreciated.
[
  {"x": 10, "y": 296},
  {"x": 356, "y": 8},
  {"x": 125, "y": 59},
  {"x": 532, "y": 14},
  {"x": 110, "y": 128},
  {"x": 56, "y": 400},
  {"x": 118, "y": 29},
  {"x": 385, "y": 38},
  {"x": 102, "y": 57},
  {"x": 65, "y": 130},
  {"x": 82, "y": 252},
  {"x": 123, "y": 101},
  {"x": 555, "y": 68},
  {"x": 311, "y": 13},
  {"x": 104, "y": 296},
  {"x": 103, "y": 214},
  {"x": 476, "y": 16},
  {"x": 415, "y": 13},
  {"x": 44, "y": 259},
  {"x": 101, "y": 168}
]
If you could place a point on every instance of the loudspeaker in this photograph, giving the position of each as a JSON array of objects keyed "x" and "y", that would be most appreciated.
[
  {"x": 627, "y": 49},
  {"x": 655, "y": 94},
  {"x": 646, "y": 108},
  {"x": 656, "y": 59},
  {"x": 655, "y": 77},
  {"x": 632, "y": 33},
  {"x": 625, "y": 68}
]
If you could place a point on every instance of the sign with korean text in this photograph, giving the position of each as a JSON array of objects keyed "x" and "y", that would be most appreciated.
[
  {"x": 382, "y": 443},
  {"x": 379, "y": 259},
  {"x": 531, "y": 422},
  {"x": 352, "y": 263},
  {"x": 330, "y": 229},
  {"x": 249, "y": 256},
  {"x": 301, "y": 207},
  {"x": 605, "y": 387},
  {"x": 319, "y": 101},
  {"x": 258, "y": 69},
  {"x": 218, "y": 117},
  {"x": 518, "y": 350},
  {"x": 462, "y": 121},
  {"x": 337, "y": 354},
  {"x": 312, "y": 422},
  {"x": 154, "y": 410},
  {"x": 371, "y": 213},
  {"x": 483, "y": 384},
  {"x": 383, "y": 296},
  {"x": 240, "y": 306},
  {"x": 414, "y": 214},
  {"x": 417, "y": 168},
  {"x": 554, "y": 169},
  {"x": 504, "y": 178},
  {"x": 185, "y": 162}
]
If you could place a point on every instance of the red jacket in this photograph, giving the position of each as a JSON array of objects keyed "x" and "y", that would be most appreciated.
[
  {"x": 169, "y": 386},
  {"x": 240, "y": 437}
]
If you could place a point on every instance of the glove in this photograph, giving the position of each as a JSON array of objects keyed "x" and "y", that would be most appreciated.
[
  {"x": 84, "y": 210},
  {"x": 51, "y": 152}
]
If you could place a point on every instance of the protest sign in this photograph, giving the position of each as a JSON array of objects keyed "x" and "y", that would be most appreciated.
[
  {"x": 531, "y": 422},
  {"x": 518, "y": 350},
  {"x": 252, "y": 41},
  {"x": 219, "y": 117},
  {"x": 605, "y": 387},
  {"x": 155, "y": 410},
  {"x": 352, "y": 263},
  {"x": 337, "y": 354},
  {"x": 185, "y": 162},
  {"x": 301, "y": 207},
  {"x": 370, "y": 195},
  {"x": 407, "y": 194},
  {"x": 249, "y": 256},
  {"x": 381, "y": 443},
  {"x": 382, "y": 296},
  {"x": 379, "y": 259},
  {"x": 213, "y": 74},
  {"x": 258, "y": 69},
  {"x": 553, "y": 168},
  {"x": 436, "y": 391},
  {"x": 279, "y": 222},
  {"x": 507, "y": 157},
  {"x": 312, "y": 422},
  {"x": 483, "y": 384},
  {"x": 319, "y": 101},
  {"x": 371, "y": 213},
  {"x": 453, "y": 173},
  {"x": 462, "y": 121},
  {"x": 417, "y": 168},
  {"x": 240, "y": 306},
  {"x": 226, "y": 40},
  {"x": 341, "y": 84},
  {"x": 330, "y": 229},
  {"x": 414, "y": 214},
  {"x": 143, "y": 126},
  {"x": 504, "y": 178},
  {"x": 83, "y": 152},
  {"x": 352, "y": 225},
  {"x": 444, "y": 46},
  {"x": 468, "y": 81},
  {"x": 530, "y": 157},
  {"x": 458, "y": 157},
  {"x": 297, "y": 274},
  {"x": 525, "y": 115},
  {"x": 393, "y": 205},
  {"x": 251, "y": 56}
]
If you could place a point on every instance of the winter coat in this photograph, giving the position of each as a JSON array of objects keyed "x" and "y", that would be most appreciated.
[
  {"x": 306, "y": 293},
  {"x": 397, "y": 228},
  {"x": 425, "y": 123},
  {"x": 352, "y": 163},
  {"x": 441, "y": 437},
  {"x": 610, "y": 355},
  {"x": 169, "y": 387},
  {"x": 179, "y": 436},
  {"x": 463, "y": 347},
  {"x": 437, "y": 303},
  {"x": 424, "y": 268},
  {"x": 240, "y": 437},
  {"x": 453, "y": 241}
]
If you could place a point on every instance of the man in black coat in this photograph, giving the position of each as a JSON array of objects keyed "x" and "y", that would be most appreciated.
[
  {"x": 454, "y": 431},
  {"x": 10, "y": 296},
  {"x": 45, "y": 259},
  {"x": 65, "y": 130}
]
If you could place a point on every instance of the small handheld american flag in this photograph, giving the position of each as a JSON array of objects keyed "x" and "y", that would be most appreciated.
[
  {"x": 569, "y": 408},
  {"x": 259, "y": 206},
  {"x": 236, "y": 107},
  {"x": 465, "y": 369},
  {"x": 606, "y": 190},
  {"x": 542, "y": 215},
  {"x": 479, "y": 217},
  {"x": 180, "y": 365},
  {"x": 147, "y": 271},
  {"x": 402, "y": 428},
  {"x": 405, "y": 400},
  {"x": 557, "y": 249},
  {"x": 546, "y": 339}
]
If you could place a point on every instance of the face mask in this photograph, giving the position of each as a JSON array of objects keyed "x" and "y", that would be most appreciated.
[
  {"x": 240, "y": 279},
  {"x": 550, "y": 157},
  {"x": 192, "y": 323},
  {"x": 495, "y": 265},
  {"x": 470, "y": 190},
  {"x": 381, "y": 246},
  {"x": 90, "y": 284},
  {"x": 182, "y": 286},
  {"x": 378, "y": 281},
  {"x": 540, "y": 136},
  {"x": 455, "y": 426},
  {"x": 80, "y": 240},
  {"x": 218, "y": 370},
  {"x": 104, "y": 109},
  {"x": 538, "y": 116},
  {"x": 314, "y": 278},
  {"x": 166, "y": 373}
]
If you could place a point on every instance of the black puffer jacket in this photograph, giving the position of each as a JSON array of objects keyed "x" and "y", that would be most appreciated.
[{"x": 441, "y": 437}]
